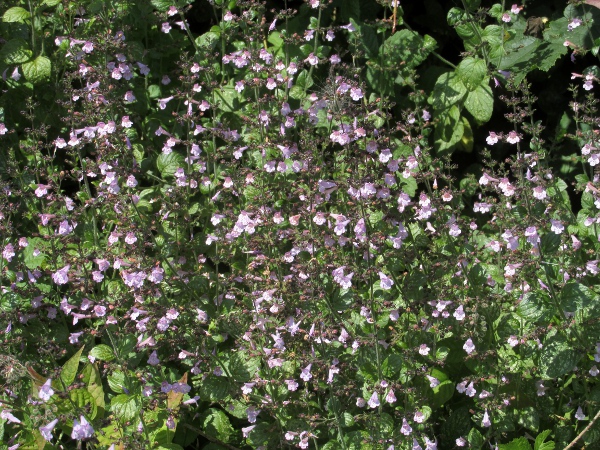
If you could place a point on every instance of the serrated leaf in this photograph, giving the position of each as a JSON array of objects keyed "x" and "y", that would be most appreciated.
[
  {"x": 539, "y": 441},
  {"x": 480, "y": 102},
  {"x": 216, "y": 423},
  {"x": 575, "y": 296},
  {"x": 475, "y": 439},
  {"x": 116, "y": 380},
  {"x": 168, "y": 164},
  {"x": 161, "y": 5},
  {"x": 471, "y": 71},
  {"x": 37, "y": 70},
  {"x": 102, "y": 352},
  {"x": 125, "y": 407},
  {"x": 558, "y": 357},
  {"x": 449, "y": 90},
  {"x": 516, "y": 444},
  {"x": 242, "y": 367},
  {"x": 214, "y": 388},
  {"x": 15, "y": 51},
  {"x": 534, "y": 307},
  {"x": 69, "y": 369},
  {"x": 208, "y": 41},
  {"x": 16, "y": 14}
]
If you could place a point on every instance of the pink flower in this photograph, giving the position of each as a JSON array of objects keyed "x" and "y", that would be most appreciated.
[
  {"x": 513, "y": 137},
  {"x": 492, "y": 138}
]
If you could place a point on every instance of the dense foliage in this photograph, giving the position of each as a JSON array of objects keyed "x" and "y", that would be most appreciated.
[{"x": 299, "y": 224}]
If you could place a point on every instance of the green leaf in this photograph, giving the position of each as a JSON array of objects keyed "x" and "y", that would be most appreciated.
[
  {"x": 516, "y": 444},
  {"x": 242, "y": 367},
  {"x": 15, "y": 51},
  {"x": 69, "y": 370},
  {"x": 37, "y": 70},
  {"x": 51, "y": 2},
  {"x": 534, "y": 307},
  {"x": 558, "y": 357},
  {"x": 368, "y": 41},
  {"x": 214, "y": 388},
  {"x": 168, "y": 164},
  {"x": 116, "y": 380},
  {"x": 575, "y": 297},
  {"x": 472, "y": 71},
  {"x": 161, "y": 5},
  {"x": 81, "y": 398},
  {"x": 227, "y": 98},
  {"x": 216, "y": 423},
  {"x": 208, "y": 41},
  {"x": 442, "y": 393},
  {"x": 33, "y": 262},
  {"x": 528, "y": 417},
  {"x": 475, "y": 439},
  {"x": 550, "y": 243},
  {"x": 480, "y": 102},
  {"x": 539, "y": 441},
  {"x": 449, "y": 90},
  {"x": 449, "y": 130},
  {"x": 102, "y": 352},
  {"x": 125, "y": 407},
  {"x": 93, "y": 381},
  {"x": 16, "y": 14}
]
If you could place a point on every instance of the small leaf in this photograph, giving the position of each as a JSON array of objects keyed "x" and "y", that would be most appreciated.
[
  {"x": 102, "y": 352},
  {"x": 69, "y": 370},
  {"x": 475, "y": 439},
  {"x": 37, "y": 70},
  {"x": 16, "y": 14}
]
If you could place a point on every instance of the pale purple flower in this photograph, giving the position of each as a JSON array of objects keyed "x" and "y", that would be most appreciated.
[
  {"x": 46, "y": 390},
  {"x": 469, "y": 347},
  {"x": 252, "y": 413},
  {"x": 579, "y": 415},
  {"x": 374, "y": 401},
  {"x": 61, "y": 276},
  {"x": 305, "y": 374},
  {"x": 46, "y": 430},
  {"x": 292, "y": 385},
  {"x": 386, "y": 282},
  {"x": 153, "y": 359},
  {"x": 406, "y": 429},
  {"x": 424, "y": 350},
  {"x": 485, "y": 422},
  {"x": 81, "y": 429}
]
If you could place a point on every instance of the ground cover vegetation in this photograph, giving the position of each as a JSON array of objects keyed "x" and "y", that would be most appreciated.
[{"x": 328, "y": 224}]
